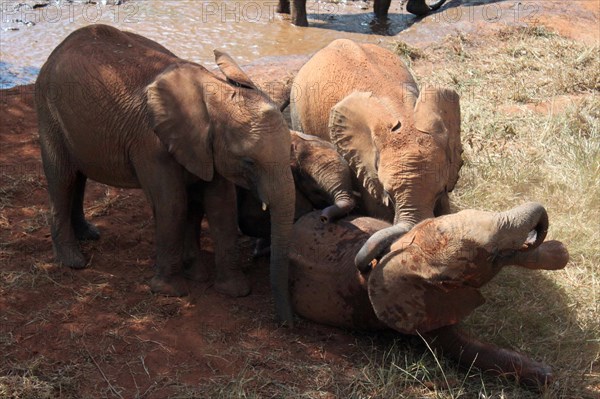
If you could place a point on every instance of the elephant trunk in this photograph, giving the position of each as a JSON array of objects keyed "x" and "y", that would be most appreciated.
[
  {"x": 378, "y": 243},
  {"x": 406, "y": 217},
  {"x": 523, "y": 227},
  {"x": 344, "y": 203},
  {"x": 281, "y": 202},
  {"x": 523, "y": 230},
  {"x": 470, "y": 352}
]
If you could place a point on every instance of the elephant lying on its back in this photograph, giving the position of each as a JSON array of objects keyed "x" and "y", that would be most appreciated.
[{"x": 427, "y": 282}]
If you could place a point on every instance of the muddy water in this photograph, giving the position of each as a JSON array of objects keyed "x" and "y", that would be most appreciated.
[
  {"x": 191, "y": 28},
  {"x": 250, "y": 29}
]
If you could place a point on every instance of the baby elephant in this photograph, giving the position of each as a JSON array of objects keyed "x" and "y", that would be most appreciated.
[
  {"x": 322, "y": 180},
  {"x": 427, "y": 282},
  {"x": 123, "y": 110}
]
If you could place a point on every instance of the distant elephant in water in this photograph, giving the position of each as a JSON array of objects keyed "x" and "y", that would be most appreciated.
[
  {"x": 380, "y": 7},
  {"x": 135, "y": 115},
  {"x": 427, "y": 282},
  {"x": 401, "y": 142},
  {"x": 322, "y": 180}
]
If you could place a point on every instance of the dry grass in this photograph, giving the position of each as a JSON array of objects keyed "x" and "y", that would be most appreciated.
[{"x": 530, "y": 114}]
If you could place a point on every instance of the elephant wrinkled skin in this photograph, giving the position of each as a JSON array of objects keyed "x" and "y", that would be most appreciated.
[
  {"x": 402, "y": 144},
  {"x": 123, "y": 110},
  {"x": 322, "y": 180},
  {"x": 427, "y": 283}
]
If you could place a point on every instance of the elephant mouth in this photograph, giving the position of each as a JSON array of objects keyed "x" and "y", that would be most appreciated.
[
  {"x": 530, "y": 241},
  {"x": 535, "y": 237}
]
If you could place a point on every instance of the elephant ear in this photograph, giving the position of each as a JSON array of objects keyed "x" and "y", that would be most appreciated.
[
  {"x": 232, "y": 71},
  {"x": 437, "y": 112},
  {"x": 180, "y": 119},
  {"x": 354, "y": 124},
  {"x": 410, "y": 297}
]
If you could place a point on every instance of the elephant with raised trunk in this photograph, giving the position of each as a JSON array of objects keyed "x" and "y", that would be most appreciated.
[
  {"x": 132, "y": 114},
  {"x": 322, "y": 180},
  {"x": 428, "y": 281},
  {"x": 380, "y": 7},
  {"x": 401, "y": 142}
]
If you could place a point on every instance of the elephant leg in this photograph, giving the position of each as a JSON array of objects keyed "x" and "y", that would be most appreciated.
[
  {"x": 83, "y": 229},
  {"x": 442, "y": 206},
  {"x": 283, "y": 7},
  {"x": 220, "y": 206},
  {"x": 420, "y": 7},
  {"x": 193, "y": 268},
  {"x": 163, "y": 185},
  {"x": 487, "y": 357},
  {"x": 262, "y": 248},
  {"x": 299, "y": 13},
  {"x": 62, "y": 182},
  {"x": 381, "y": 8}
]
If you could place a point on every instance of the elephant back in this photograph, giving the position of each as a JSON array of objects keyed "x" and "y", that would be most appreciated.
[
  {"x": 340, "y": 69},
  {"x": 325, "y": 285}
]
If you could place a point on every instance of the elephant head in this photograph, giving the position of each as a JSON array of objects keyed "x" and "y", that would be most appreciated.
[
  {"x": 231, "y": 128},
  {"x": 430, "y": 277},
  {"x": 409, "y": 160}
]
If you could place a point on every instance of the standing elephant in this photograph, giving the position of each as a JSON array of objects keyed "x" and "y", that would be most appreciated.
[
  {"x": 428, "y": 281},
  {"x": 380, "y": 7},
  {"x": 402, "y": 144},
  {"x": 123, "y": 110},
  {"x": 322, "y": 179}
]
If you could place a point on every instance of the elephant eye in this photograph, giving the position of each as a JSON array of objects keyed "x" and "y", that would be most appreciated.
[{"x": 397, "y": 126}]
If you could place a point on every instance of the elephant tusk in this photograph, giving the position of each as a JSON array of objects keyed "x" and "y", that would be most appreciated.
[
  {"x": 264, "y": 207},
  {"x": 386, "y": 200}
]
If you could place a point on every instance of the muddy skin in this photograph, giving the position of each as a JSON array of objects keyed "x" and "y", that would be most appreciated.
[
  {"x": 428, "y": 281},
  {"x": 322, "y": 180}
]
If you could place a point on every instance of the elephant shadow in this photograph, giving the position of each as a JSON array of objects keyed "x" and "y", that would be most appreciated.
[
  {"x": 525, "y": 310},
  {"x": 362, "y": 23},
  {"x": 326, "y": 16}
]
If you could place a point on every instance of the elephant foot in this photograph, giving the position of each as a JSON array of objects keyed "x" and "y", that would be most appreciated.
[
  {"x": 86, "y": 231},
  {"x": 235, "y": 285},
  {"x": 417, "y": 7},
  {"x": 534, "y": 374},
  {"x": 194, "y": 270},
  {"x": 169, "y": 286},
  {"x": 70, "y": 256},
  {"x": 300, "y": 20}
]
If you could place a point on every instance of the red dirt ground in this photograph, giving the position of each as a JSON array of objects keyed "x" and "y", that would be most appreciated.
[{"x": 105, "y": 316}]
